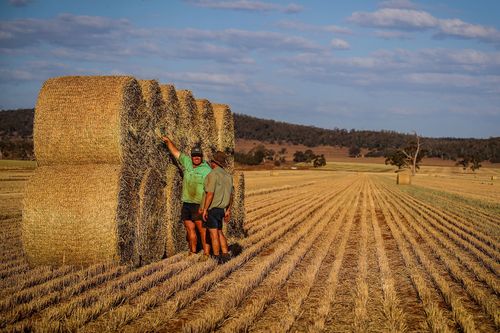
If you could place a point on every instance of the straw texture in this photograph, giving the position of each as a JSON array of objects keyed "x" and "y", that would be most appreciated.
[
  {"x": 175, "y": 231},
  {"x": 187, "y": 133},
  {"x": 205, "y": 127},
  {"x": 155, "y": 110},
  {"x": 151, "y": 231},
  {"x": 404, "y": 178},
  {"x": 88, "y": 119},
  {"x": 235, "y": 227},
  {"x": 92, "y": 140},
  {"x": 224, "y": 124},
  {"x": 76, "y": 214}
]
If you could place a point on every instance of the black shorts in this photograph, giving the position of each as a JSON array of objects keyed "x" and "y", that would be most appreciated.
[
  {"x": 215, "y": 218},
  {"x": 190, "y": 211}
]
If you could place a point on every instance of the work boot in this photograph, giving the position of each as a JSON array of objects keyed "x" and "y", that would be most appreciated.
[{"x": 225, "y": 257}]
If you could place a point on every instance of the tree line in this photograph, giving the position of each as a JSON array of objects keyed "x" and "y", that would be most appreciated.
[
  {"x": 378, "y": 143},
  {"x": 16, "y": 139}
]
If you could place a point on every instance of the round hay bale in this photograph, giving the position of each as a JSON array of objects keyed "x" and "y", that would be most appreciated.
[
  {"x": 188, "y": 136},
  {"x": 205, "y": 126},
  {"x": 151, "y": 230},
  {"x": 156, "y": 110},
  {"x": 89, "y": 119},
  {"x": 235, "y": 226},
  {"x": 176, "y": 233},
  {"x": 225, "y": 132},
  {"x": 80, "y": 214},
  {"x": 404, "y": 178},
  {"x": 172, "y": 116}
]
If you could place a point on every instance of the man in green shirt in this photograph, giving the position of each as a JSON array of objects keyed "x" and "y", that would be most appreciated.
[
  {"x": 194, "y": 172},
  {"x": 217, "y": 204}
]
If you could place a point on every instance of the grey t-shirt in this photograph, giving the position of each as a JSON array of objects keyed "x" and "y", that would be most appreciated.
[{"x": 220, "y": 182}]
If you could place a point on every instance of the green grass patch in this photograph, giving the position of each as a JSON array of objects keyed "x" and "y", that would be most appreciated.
[{"x": 17, "y": 164}]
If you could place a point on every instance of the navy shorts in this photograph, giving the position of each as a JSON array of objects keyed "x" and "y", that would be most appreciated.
[
  {"x": 190, "y": 212},
  {"x": 215, "y": 218}
]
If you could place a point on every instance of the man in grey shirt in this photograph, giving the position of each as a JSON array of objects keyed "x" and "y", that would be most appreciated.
[{"x": 217, "y": 204}]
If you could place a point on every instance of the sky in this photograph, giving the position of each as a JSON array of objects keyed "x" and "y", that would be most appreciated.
[{"x": 432, "y": 67}]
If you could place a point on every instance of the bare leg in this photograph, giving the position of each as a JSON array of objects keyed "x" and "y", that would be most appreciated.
[
  {"x": 191, "y": 235},
  {"x": 203, "y": 234},
  {"x": 223, "y": 242},
  {"x": 215, "y": 241}
]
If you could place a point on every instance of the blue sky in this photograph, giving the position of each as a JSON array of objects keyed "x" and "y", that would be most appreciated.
[{"x": 427, "y": 66}]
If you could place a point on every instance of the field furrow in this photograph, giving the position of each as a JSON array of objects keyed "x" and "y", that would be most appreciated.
[
  {"x": 394, "y": 318},
  {"x": 480, "y": 294},
  {"x": 438, "y": 318},
  {"x": 239, "y": 319},
  {"x": 161, "y": 302},
  {"x": 325, "y": 252},
  {"x": 281, "y": 314}
]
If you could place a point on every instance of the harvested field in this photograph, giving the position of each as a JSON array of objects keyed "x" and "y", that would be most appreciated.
[{"x": 326, "y": 251}]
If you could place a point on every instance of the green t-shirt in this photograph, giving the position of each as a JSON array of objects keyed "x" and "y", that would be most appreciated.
[
  {"x": 193, "y": 180},
  {"x": 220, "y": 182}
]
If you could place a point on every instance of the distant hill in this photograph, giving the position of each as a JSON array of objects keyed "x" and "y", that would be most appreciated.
[
  {"x": 16, "y": 134},
  {"x": 16, "y": 138},
  {"x": 376, "y": 142}
]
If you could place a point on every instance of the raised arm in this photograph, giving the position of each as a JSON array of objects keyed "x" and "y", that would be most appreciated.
[{"x": 171, "y": 147}]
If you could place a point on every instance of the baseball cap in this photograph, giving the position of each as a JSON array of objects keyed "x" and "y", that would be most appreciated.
[{"x": 196, "y": 151}]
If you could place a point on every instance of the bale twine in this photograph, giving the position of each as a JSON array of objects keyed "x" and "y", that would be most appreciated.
[
  {"x": 82, "y": 204},
  {"x": 79, "y": 215},
  {"x": 205, "y": 126},
  {"x": 175, "y": 231},
  {"x": 89, "y": 119},
  {"x": 404, "y": 178},
  {"x": 235, "y": 226},
  {"x": 225, "y": 132},
  {"x": 188, "y": 136}
]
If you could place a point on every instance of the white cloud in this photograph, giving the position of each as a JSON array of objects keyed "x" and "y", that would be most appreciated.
[
  {"x": 410, "y": 19},
  {"x": 461, "y": 29},
  {"x": 247, "y": 5},
  {"x": 250, "y": 40},
  {"x": 395, "y": 18},
  {"x": 466, "y": 72},
  {"x": 301, "y": 26},
  {"x": 391, "y": 34},
  {"x": 340, "y": 44}
]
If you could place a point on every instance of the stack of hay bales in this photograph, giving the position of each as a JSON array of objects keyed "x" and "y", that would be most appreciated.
[
  {"x": 107, "y": 189},
  {"x": 404, "y": 177},
  {"x": 224, "y": 123},
  {"x": 87, "y": 202},
  {"x": 151, "y": 231},
  {"x": 171, "y": 123},
  {"x": 81, "y": 204}
]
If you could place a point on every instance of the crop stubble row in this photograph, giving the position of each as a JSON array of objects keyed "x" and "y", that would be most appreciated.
[{"x": 408, "y": 265}]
